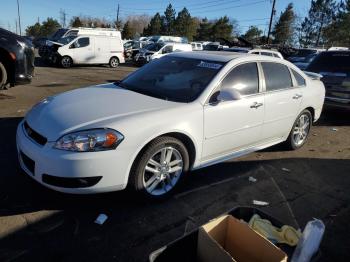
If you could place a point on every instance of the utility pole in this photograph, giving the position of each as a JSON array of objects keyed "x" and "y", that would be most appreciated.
[
  {"x": 19, "y": 18},
  {"x": 16, "y": 26},
  {"x": 63, "y": 17},
  {"x": 273, "y": 11},
  {"x": 118, "y": 16}
]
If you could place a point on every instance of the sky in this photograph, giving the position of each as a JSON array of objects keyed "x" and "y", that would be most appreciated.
[{"x": 246, "y": 12}]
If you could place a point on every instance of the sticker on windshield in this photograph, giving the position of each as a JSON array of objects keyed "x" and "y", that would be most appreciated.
[{"x": 209, "y": 65}]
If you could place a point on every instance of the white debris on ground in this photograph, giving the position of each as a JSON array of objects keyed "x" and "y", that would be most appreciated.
[
  {"x": 260, "y": 203},
  {"x": 252, "y": 179},
  {"x": 286, "y": 169}
]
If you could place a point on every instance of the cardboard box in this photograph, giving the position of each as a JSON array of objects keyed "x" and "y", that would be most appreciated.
[{"x": 228, "y": 239}]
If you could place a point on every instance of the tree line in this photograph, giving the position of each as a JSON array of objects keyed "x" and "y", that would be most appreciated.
[{"x": 326, "y": 23}]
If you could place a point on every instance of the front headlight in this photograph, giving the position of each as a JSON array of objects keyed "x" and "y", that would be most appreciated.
[{"x": 90, "y": 140}]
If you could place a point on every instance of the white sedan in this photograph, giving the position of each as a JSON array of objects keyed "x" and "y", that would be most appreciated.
[{"x": 182, "y": 112}]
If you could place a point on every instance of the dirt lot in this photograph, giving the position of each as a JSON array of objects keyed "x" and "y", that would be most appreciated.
[{"x": 36, "y": 223}]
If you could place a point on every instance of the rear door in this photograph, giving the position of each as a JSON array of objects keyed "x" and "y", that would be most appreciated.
[{"x": 282, "y": 101}]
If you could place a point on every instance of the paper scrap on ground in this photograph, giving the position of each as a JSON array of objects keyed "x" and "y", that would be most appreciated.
[
  {"x": 252, "y": 179},
  {"x": 260, "y": 203},
  {"x": 334, "y": 129},
  {"x": 286, "y": 169},
  {"x": 101, "y": 219}
]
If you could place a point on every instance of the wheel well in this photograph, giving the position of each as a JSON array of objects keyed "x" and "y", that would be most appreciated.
[
  {"x": 312, "y": 111},
  {"x": 9, "y": 64},
  {"x": 187, "y": 141},
  {"x": 114, "y": 57}
]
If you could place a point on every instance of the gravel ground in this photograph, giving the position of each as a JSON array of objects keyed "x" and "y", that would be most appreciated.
[{"x": 37, "y": 223}]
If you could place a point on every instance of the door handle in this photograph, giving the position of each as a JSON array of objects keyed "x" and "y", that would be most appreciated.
[
  {"x": 297, "y": 96},
  {"x": 256, "y": 105}
]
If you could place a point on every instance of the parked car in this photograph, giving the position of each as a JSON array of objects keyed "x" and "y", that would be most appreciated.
[
  {"x": 182, "y": 112},
  {"x": 214, "y": 46},
  {"x": 16, "y": 59},
  {"x": 196, "y": 46},
  {"x": 158, "y": 50},
  {"x": 132, "y": 47},
  {"x": 306, "y": 61},
  {"x": 45, "y": 51},
  {"x": 167, "y": 38},
  {"x": 334, "y": 66},
  {"x": 301, "y": 53},
  {"x": 88, "y": 49}
]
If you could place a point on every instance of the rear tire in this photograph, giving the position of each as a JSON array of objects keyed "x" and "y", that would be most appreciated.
[
  {"x": 114, "y": 62},
  {"x": 159, "y": 168},
  {"x": 300, "y": 131},
  {"x": 66, "y": 62},
  {"x": 3, "y": 76}
]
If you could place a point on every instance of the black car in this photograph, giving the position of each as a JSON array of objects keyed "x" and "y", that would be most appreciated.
[
  {"x": 16, "y": 59},
  {"x": 334, "y": 66}
]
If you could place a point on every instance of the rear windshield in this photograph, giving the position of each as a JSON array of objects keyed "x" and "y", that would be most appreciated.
[
  {"x": 175, "y": 79},
  {"x": 335, "y": 62},
  {"x": 305, "y": 52}
]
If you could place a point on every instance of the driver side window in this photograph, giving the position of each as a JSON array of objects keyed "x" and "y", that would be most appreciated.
[
  {"x": 244, "y": 78},
  {"x": 168, "y": 49},
  {"x": 81, "y": 42}
]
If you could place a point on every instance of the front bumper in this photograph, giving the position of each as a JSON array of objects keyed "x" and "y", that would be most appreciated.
[{"x": 112, "y": 165}]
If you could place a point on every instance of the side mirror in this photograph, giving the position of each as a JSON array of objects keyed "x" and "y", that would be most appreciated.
[{"x": 228, "y": 95}]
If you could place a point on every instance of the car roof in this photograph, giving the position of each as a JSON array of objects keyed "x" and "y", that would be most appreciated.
[{"x": 220, "y": 56}]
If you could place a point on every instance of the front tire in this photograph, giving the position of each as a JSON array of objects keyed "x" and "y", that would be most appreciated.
[
  {"x": 300, "y": 131},
  {"x": 66, "y": 62},
  {"x": 159, "y": 168},
  {"x": 114, "y": 62},
  {"x": 3, "y": 76}
]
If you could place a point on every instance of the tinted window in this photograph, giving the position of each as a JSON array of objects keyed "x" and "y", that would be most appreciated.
[
  {"x": 299, "y": 78},
  {"x": 171, "y": 78},
  {"x": 277, "y": 76},
  {"x": 244, "y": 78},
  {"x": 335, "y": 62},
  {"x": 81, "y": 42},
  {"x": 167, "y": 49},
  {"x": 275, "y": 55},
  {"x": 266, "y": 53},
  {"x": 255, "y": 53}
]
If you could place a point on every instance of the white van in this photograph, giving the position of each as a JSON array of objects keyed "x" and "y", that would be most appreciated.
[
  {"x": 196, "y": 46},
  {"x": 75, "y": 31},
  {"x": 89, "y": 49},
  {"x": 157, "y": 50}
]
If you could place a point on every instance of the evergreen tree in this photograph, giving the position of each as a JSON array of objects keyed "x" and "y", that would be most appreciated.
[
  {"x": 321, "y": 14},
  {"x": 185, "y": 25},
  {"x": 253, "y": 35},
  {"x": 154, "y": 27},
  {"x": 284, "y": 29},
  {"x": 49, "y": 27},
  {"x": 168, "y": 21},
  {"x": 222, "y": 28},
  {"x": 204, "y": 31},
  {"x": 34, "y": 30},
  {"x": 76, "y": 22},
  {"x": 127, "y": 31}
]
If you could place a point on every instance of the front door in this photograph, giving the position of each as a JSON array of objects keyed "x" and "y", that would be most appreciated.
[
  {"x": 83, "y": 51},
  {"x": 234, "y": 125}
]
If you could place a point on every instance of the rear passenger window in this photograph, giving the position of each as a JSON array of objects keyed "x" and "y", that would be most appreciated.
[
  {"x": 266, "y": 53},
  {"x": 299, "y": 78},
  {"x": 244, "y": 78},
  {"x": 277, "y": 76},
  {"x": 275, "y": 55}
]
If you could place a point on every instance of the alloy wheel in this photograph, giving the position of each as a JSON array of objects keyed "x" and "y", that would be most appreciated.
[
  {"x": 162, "y": 171},
  {"x": 301, "y": 130}
]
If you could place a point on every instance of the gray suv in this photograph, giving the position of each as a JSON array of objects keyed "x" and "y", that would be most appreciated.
[{"x": 334, "y": 66}]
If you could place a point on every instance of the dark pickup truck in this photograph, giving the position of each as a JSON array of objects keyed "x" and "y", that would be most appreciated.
[
  {"x": 334, "y": 66},
  {"x": 16, "y": 59}
]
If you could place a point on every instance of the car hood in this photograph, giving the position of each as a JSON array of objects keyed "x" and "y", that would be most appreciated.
[{"x": 86, "y": 107}]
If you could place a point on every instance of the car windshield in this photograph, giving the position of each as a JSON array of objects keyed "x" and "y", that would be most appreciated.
[
  {"x": 335, "y": 62},
  {"x": 154, "y": 47},
  {"x": 211, "y": 47},
  {"x": 66, "y": 40},
  {"x": 58, "y": 34},
  {"x": 305, "y": 52},
  {"x": 171, "y": 78}
]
